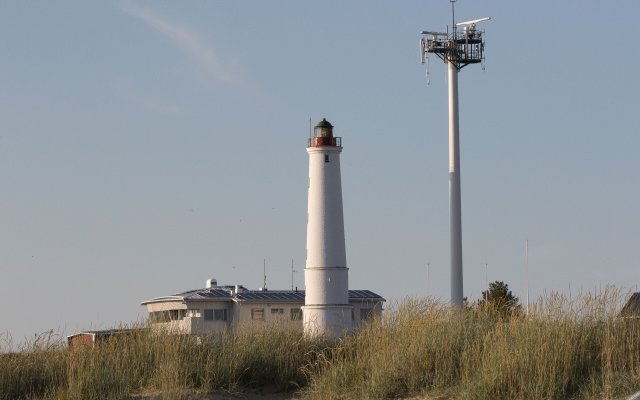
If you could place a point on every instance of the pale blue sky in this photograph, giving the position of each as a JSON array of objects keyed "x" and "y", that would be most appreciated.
[{"x": 148, "y": 146}]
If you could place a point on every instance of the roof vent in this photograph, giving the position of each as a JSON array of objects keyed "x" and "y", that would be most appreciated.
[{"x": 211, "y": 283}]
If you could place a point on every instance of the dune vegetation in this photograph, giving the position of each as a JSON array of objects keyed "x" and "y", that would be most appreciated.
[{"x": 561, "y": 349}]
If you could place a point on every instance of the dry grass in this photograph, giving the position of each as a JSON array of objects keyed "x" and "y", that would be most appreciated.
[
  {"x": 564, "y": 349},
  {"x": 152, "y": 362}
]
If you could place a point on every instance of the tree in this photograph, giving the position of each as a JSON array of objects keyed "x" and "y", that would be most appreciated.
[{"x": 499, "y": 298}]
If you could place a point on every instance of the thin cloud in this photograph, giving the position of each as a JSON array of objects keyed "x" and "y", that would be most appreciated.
[{"x": 188, "y": 42}]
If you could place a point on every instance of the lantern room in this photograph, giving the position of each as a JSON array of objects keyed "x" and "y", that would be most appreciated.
[{"x": 323, "y": 135}]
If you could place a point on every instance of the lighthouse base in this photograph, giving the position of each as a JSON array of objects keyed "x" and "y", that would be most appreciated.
[{"x": 330, "y": 321}]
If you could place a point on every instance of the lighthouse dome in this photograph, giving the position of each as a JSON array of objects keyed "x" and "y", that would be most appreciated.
[{"x": 324, "y": 124}]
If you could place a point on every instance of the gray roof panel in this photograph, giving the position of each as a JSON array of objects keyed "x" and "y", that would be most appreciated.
[
  {"x": 223, "y": 293},
  {"x": 274, "y": 295}
]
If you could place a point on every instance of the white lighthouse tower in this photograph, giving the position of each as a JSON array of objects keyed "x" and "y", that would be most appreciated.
[{"x": 326, "y": 311}]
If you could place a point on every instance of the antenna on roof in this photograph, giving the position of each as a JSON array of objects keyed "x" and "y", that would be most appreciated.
[
  {"x": 264, "y": 273},
  {"x": 292, "y": 271}
]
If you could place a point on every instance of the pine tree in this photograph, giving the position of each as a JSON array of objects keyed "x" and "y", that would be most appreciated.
[{"x": 499, "y": 298}]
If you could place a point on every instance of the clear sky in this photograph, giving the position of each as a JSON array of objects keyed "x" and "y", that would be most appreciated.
[{"x": 148, "y": 146}]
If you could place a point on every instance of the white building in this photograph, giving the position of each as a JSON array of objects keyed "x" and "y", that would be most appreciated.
[{"x": 216, "y": 308}]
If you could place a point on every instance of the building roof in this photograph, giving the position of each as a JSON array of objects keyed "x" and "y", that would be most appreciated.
[
  {"x": 228, "y": 293},
  {"x": 106, "y": 332},
  {"x": 101, "y": 334},
  {"x": 632, "y": 308}
]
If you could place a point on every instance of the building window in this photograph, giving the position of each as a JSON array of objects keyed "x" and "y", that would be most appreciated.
[
  {"x": 277, "y": 311},
  {"x": 167, "y": 315},
  {"x": 296, "y": 314},
  {"x": 215, "y": 315},
  {"x": 257, "y": 314},
  {"x": 220, "y": 315},
  {"x": 366, "y": 314},
  {"x": 177, "y": 315},
  {"x": 326, "y": 158},
  {"x": 193, "y": 313},
  {"x": 159, "y": 316}
]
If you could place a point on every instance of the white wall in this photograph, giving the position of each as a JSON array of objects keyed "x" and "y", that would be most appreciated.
[
  {"x": 240, "y": 313},
  {"x": 244, "y": 311}
]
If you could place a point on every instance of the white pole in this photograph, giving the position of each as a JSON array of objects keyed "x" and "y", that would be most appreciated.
[
  {"x": 264, "y": 273},
  {"x": 455, "y": 218},
  {"x": 428, "y": 265},
  {"x": 292, "y": 271},
  {"x": 526, "y": 267},
  {"x": 486, "y": 281}
]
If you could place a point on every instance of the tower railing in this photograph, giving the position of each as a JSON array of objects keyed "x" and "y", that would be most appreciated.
[
  {"x": 461, "y": 48},
  {"x": 318, "y": 141}
]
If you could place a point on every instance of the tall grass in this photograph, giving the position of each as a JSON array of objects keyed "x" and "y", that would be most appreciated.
[
  {"x": 179, "y": 364},
  {"x": 149, "y": 361},
  {"x": 563, "y": 349},
  {"x": 37, "y": 368}
]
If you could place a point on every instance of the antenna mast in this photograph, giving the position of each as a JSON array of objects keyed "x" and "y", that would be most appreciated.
[
  {"x": 292, "y": 271},
  {"x": 428, "y": 267},
  {"x": 526, "y": 268},
  {"x": 264, "y": 273},
  {"x": 486, "y": 282},
  {"x": 453, "y": 15},
  {"x": 457, "y": 50}
]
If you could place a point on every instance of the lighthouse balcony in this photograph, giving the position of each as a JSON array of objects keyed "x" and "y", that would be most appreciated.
[{"x": 319, "y": 141}]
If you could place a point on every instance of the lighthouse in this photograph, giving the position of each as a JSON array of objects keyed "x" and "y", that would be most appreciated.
[{"x": 326, "y": 311}]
